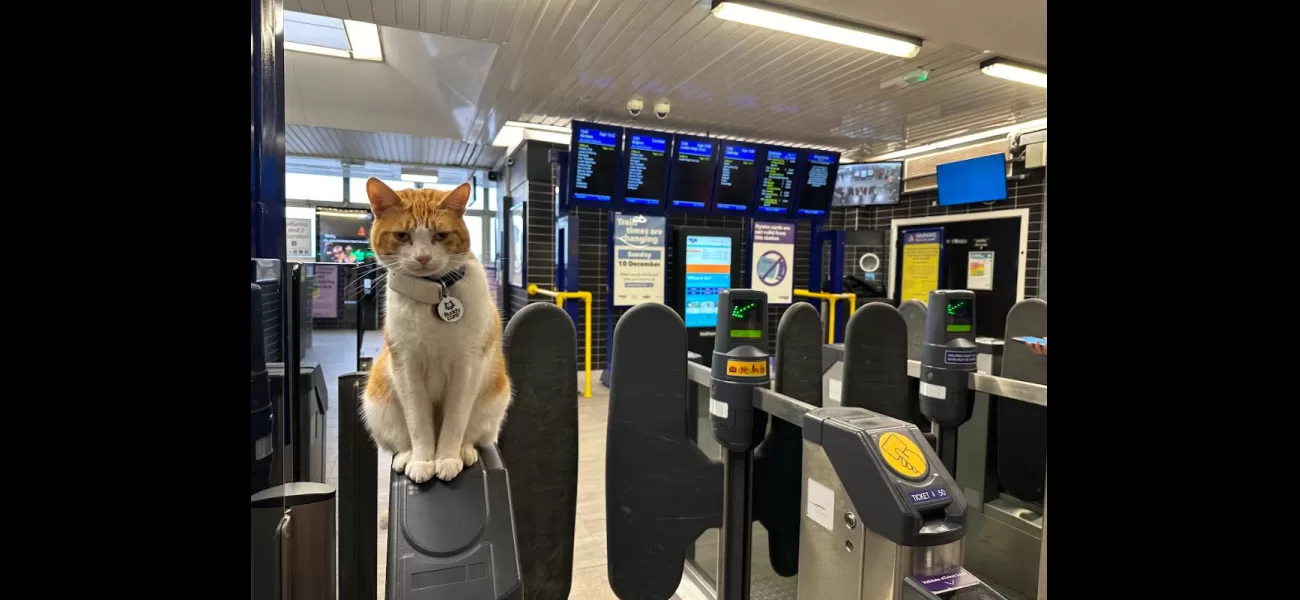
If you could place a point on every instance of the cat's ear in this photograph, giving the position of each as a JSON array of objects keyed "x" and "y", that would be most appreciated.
[
  {"x": 382, "y": 197},
  {"x": 457, "y": 200}
]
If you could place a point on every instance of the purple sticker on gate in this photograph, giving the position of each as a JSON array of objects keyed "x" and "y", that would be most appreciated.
[{"x": 947, "y": 582}]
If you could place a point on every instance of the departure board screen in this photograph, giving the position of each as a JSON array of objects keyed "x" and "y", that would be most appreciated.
[
  {"x": 776, "y": 183},
  {"x": 595, "y": 154},
  {"x": 692, "y": 176},
  {"x": 736, "y": 177},
  {"x": 817, "y": 182},
  {"x": 646, "y": 168}
]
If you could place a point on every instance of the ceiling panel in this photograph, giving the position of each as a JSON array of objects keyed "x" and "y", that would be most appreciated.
[
  {"x": 566, "y": 59},
  {"x": 306, "y": 140}
]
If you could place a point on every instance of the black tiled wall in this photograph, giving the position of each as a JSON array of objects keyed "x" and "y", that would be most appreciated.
[
  {"x": 271, "y": 318},
  {"x": 1029, "y": 193},
  {"x": 531, "y": 182}
]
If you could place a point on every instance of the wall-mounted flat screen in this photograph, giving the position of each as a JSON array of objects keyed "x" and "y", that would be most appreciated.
[
  {"x": 594, "y": 157},
  {"x": 982, "y": 179},
  {"x": 692, "y": 174},
  {"x": 776, "y": 187},
  {"x": 818, "y": 171},
  {"x": 708, "y": 272},
  {"x": 645, "y": 168},
  {"x": 737, "y": 175},
  {"x": 868, "y": 184},
  {"x": 344, "y": 235}
]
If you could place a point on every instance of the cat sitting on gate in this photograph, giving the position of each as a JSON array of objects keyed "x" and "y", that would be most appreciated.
[{"x": 439, "y": 386}]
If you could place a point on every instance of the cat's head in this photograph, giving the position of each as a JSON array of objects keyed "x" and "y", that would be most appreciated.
[{"x": 420, "y": 233}]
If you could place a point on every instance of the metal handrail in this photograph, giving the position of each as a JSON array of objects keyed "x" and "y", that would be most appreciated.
[
  {"x": 1015, "y": 389},
  {"x": 831, "y": 299},
  {"x": 560, "y": 297},
  {"x": 1023, "y": 391}
]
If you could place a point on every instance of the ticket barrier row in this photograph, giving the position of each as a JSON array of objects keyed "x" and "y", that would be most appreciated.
[
  {"x": 857, "y": 503},
  {"x": 1002, "y": 447}
]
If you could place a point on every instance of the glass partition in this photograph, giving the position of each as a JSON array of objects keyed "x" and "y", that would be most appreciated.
[{"x": 705, "y": 555}]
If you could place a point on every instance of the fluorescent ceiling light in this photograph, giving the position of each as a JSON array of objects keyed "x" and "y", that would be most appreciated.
[
  {"x": 413, "y": 178},
  {"x": 957, "y": 141},
  {"x": 364, "y": 38},
  {"x": 760, "y": 14},
  {"x": 1006, "y": 69}
]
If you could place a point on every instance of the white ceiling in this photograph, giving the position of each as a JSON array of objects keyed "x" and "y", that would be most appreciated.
[
  {"x": 549, "y": 61},
  {"x": 397, "y": 148}
]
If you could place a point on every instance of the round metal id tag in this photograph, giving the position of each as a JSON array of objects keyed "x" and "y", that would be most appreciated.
[{"x": 450, "y": 309}]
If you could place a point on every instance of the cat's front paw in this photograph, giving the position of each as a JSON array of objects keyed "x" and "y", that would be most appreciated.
[
  {"x": 420, "y": 471},
  {"x": 449, "y": 468},
  {"x": 400, "y": 459},
  {"x": 469, "y": 454}
]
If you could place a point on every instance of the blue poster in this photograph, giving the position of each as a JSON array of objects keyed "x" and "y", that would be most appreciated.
[{"x": 639, "y": 259}]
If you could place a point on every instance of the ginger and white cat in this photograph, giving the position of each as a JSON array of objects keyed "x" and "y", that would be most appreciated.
[{"x": 439, "y": 386}]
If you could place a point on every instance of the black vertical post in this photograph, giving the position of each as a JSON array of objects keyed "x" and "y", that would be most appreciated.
[
  {"x": 737, "y": 525},
  {"x": 289, "y": 299},
  {"x": 361, "y": 311},
  {"x": 267, "y": 111},
  {"x": 947, "y": 448},
  {"x": 358, "y": 504}
]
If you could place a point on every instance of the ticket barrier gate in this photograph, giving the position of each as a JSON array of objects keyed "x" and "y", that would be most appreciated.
[
  {"x": 883, "y": 386},
  {"x": 1006, "y": 488},
  {"x": 1002, "y": 453},
  {"x": 501, "y": 529},
  {"x": 662, "y": 491}
]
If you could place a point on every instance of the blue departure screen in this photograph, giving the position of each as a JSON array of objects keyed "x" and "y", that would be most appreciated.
[
  {"x": 736, "y": 178},
  {"x": 776, "y": 185},
  {"x": 646, "y": 168},
  {"x": 818, "y": 182},
  {"x": 692, "y": 176},
  {"x": 595, "y": 151}
]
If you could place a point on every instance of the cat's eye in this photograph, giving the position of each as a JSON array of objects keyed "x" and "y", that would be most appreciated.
[
  {"x": 441, "y": 235},
  {"x": 402, "y": 236}
]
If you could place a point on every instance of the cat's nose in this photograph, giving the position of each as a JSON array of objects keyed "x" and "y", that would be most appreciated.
[{"x": 423, "y": 258}]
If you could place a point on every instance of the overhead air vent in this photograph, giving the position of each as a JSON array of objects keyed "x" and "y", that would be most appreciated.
[{"x": 919, "y": 171}]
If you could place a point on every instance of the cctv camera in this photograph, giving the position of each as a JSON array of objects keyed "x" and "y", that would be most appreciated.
[
  {"x": 661, "y": 109},
  {"x": 510, "y": 161},
  {"x": 634, "y": 106}
]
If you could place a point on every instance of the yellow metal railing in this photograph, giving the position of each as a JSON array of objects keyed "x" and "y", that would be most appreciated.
[
  {"x": 831, "y": 299},
  {"x": 560, "y": 297}
]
